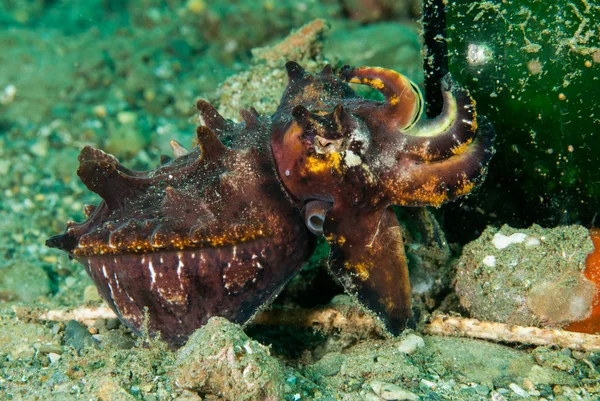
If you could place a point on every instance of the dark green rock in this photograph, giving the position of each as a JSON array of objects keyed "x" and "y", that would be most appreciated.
[
  {"x": 78, "y": 337},
  {"x": 534, "y": 70}
]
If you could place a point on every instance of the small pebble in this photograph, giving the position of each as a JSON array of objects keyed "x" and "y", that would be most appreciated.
[
  {"x": 57, "y": 328},
  {"x": 578, "y": 355},
  {"x": 100, "y": 111},
  {"x": 188, "y": 396},
  {"x": 39, "y": 148},
  {"x": 52, "y": 357},
  {"x": 126, "y": 117},
  {"x": 389, "y": 391},
  {"x": 411, "y": 344},
  {"x": 8, "y": 94},
  {"x": 77, "y": 336},
  {"x": 482, "y": 390},
  {"x": 90, "y": 293},
  {"x": 112, "y": 324},
  {"x": 50, "y": 348},
  {"x": 100, "y": 325},
  {"x": 518, "y": 390},
  {"x": 497, "y": 397},
  {"x": 528, "y": 384},
  {"x": 426, "y": 385}
]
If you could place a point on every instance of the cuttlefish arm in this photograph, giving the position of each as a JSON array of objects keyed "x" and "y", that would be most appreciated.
[{"x": 367, "y": 257}]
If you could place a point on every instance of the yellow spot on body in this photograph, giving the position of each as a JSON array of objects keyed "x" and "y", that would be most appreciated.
[
  {"x": 562, "y": 96},
  {"x": 341, "y": 240},
  {"x": 458, "y": 149},
  {"x": 238, "y": 235},
  {"x": 465, "y": 188},
  {"x": 377, "y": 84},
  {"x": 431, "y": 193},
  {"x": 329, "y": 161},
  {"x": 393, "y": 100},
  {"x": 361, "y": 269},
  {"x": 389, "y": 304}
]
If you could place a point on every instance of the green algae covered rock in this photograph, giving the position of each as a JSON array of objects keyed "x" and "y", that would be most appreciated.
[
  {"x": 534, "y": 69},
  {"x": 221, "y": 360},
  {"x": 527, "y": 277}
]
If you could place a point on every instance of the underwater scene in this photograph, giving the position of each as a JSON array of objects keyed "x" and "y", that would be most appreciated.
[{"x": 299, "y": 200}]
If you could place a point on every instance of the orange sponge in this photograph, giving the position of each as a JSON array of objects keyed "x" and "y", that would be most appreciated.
[{"x": 592, "y": 273}]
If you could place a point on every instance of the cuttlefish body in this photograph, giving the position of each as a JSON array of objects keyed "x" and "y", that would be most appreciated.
[{"x": 219, "y": 230}]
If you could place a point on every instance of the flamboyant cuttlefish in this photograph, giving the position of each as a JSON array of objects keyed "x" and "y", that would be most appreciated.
[{"x": 220, "y": 230}]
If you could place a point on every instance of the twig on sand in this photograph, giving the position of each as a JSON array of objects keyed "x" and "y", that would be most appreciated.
[
  {"x": 500, "y": 332},
  {"x": 352, "y": 319},
  {"x": 85, "y": 314}
]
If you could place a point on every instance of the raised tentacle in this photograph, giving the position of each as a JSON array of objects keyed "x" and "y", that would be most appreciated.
[
  {"x": 414, "y": 183},
  {"x": 403, "y": 104},
  {"x": 447, "y": 134}
]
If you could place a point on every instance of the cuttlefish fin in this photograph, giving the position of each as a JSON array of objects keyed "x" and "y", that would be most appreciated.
[{"x": 367, "y": 257}]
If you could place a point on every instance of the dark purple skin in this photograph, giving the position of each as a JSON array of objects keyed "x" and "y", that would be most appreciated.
[
  {"x": 363, "y": 156},
  {"x": 210, "y": 233},
  {"x": 220, "y": 230}
]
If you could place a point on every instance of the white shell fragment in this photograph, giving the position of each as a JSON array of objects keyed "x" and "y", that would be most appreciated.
[
  {"x": 489, "y": 260},
  {"x": 501, "y": 241}
]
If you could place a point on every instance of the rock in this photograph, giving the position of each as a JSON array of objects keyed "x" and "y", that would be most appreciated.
[
  {"x": 90, "y": 294},
  {"x": 50, "y": 348},
  {"x": 528, "y": 277},
  {"x": 78, "y": 336},
  {"x": 487, "y": 363},
  {"x": 518, "y": 390},
  {"x": 411, "y": 344},
  {"x": 220, "y": 359},
  {"x": 497, "y": 397},
  {"x": 52, "y": 357},
  {"x": 188, "y": 396},
  {"x": 329, "y": 365},
  {"x": 389, "y": 391},
  {"x": 118, "y": 339},
  {"x": 112, "y": 324},
  {"x": 482, "y": 390}
]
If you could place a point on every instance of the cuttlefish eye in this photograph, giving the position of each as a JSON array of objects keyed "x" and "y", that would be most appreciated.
[{"x": 314, "y": 215}]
